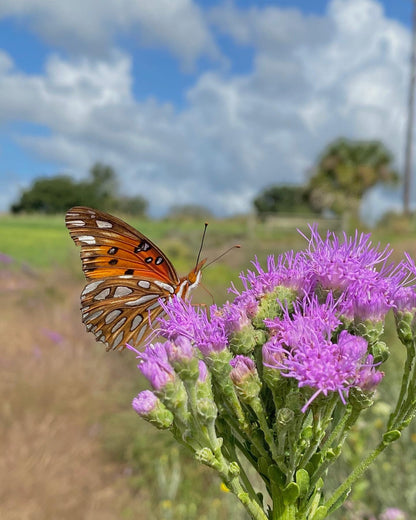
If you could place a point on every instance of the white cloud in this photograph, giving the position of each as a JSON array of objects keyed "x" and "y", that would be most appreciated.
[
  {"x": 313, "y": 79},
  {"x": 91, "y": 26}
]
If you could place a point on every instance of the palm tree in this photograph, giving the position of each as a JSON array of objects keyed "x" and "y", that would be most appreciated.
[{"x": 346, "y": 170}]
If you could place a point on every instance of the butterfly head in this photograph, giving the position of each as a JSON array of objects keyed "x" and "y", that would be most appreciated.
[{"x": 190, "y": 282}]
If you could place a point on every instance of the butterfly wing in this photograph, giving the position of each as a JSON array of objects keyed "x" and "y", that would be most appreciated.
[
  {"x": 109, "y": 247},
  {"x": 120, "y": 309},
  {"x": 126, "y": 274}
]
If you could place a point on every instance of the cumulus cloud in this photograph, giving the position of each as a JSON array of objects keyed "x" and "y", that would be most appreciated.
[
  {"x": 91, "y": 26},
  {"x": 313, "y": 79}
]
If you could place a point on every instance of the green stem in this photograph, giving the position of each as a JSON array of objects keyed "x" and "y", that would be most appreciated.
[
  {"x": 344, "y": 488},
  {"x": 320, "y": 426},
  {"x": 407, "y": 379},
  {"x": 257, "y": 407},
  {"x": 282, "y": 511},
  {"x": 243, "y": 475}
]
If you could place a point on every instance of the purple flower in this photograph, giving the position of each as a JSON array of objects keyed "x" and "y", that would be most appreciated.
[
  {"x": 405, "y": 296},
  {"x": 243, "y": 367},
  {"x": 304, "y": 349},
  {"x": 203, "y": 371},
  {"x": 308, "y": 317},
  {"x": 234, "y": 316},
  {"x": 336, "y": 263},
  {"x": 393, "y": 513},
  {"x": 180, "y": 350},
  {"x": 369, "y": 377},
  {"x": 348, "y": 266},
  {"x": 145, "y": 402},
  {"x": 288, "y": 270},
  {"x": 53, "y": 335},
  {"x": 205, "y": 332},
  {"x": 155, "y": 365},
  {"x": 5, "y": 259},
  {"x": 181, "y": 318}
]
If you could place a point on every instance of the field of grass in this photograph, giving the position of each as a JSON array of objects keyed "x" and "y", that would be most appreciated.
[{"x": 72, "y": 446}]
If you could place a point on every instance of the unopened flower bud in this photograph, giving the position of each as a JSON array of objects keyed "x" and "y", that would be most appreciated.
[
  {"x": 148, "y": 406},
  {"x": 284, "y": 417},
  {"x": 245, "y": 378},
  {"x": 181, "y": 355}
]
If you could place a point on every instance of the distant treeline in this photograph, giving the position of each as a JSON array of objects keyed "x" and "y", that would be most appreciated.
[
  {"x": 344, "y": 172},
  {"x": 58, "y": 193}
]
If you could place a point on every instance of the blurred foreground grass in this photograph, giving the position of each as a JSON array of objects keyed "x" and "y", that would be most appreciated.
[{"x": 72, "y": 446}]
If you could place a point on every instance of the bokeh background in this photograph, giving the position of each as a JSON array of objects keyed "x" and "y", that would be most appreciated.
[{"x": 258, "y": 116}]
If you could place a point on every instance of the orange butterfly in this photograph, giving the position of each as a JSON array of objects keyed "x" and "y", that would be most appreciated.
[{"x": 126, "y": 274}]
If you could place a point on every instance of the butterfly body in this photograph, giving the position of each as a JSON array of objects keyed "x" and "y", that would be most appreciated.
[{"x": 127, "y": 276}]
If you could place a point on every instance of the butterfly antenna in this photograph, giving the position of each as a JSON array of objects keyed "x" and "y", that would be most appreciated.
[
  {"x": 207, "y": 291},
  {"x": 237, "y": 246},
  {"x": 202, "y": 244}
]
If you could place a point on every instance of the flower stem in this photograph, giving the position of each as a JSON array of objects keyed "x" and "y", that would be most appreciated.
[
  {"x": 407, "y": 379},
  {"x": 345, "y": 487}
]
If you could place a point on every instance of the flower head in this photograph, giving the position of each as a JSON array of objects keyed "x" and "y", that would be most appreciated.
[
  {"x": 155, "y": 365},
  {"x": 148, "y": 406},
  {"x": 205, "y": 331},
  {"x": 145, "y": 402},
  {"x": 306, "y": 347}
]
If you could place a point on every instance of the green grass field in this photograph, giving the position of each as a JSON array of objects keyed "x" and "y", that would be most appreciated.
[{"x": 75, "y": 449}]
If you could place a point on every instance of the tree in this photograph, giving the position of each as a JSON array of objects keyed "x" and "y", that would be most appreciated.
[
  {"x": 50, "y": 195},
  {"x": 346, "y": 171},
  {"x": 58, "y": 193},
  {"x": 282, "y": 199}
]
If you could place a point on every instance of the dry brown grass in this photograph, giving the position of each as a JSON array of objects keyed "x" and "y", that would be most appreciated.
[{"x": 54, "y": 390}]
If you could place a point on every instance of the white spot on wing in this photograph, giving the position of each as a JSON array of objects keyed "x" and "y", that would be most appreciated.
[
  {"x": 111, "y": 316},
  {"x": 104, "y": 224},
  {"x": 136, "y": 322},
  {"x": 165, "y": 286},
  {"x": 78, "y": 223},
  {"x": 141, "y": 333},
  {"x": 103, "y": 294},
  {"x": 94, "y": 315},
  {"x": 153, "y": 306},
  {"x": 142, "y": 299},
  {"x": 122, "y": 291},
  {"x": 118, "y": 339},
  {"x": 144, "y": 284},
  {"x": 119, "y": 323},
  {"x": 91, "y": 286},
  {"x": 87, "y": 239}
]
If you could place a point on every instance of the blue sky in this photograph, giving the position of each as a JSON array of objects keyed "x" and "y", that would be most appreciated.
[{"x": 203, "y": 102}]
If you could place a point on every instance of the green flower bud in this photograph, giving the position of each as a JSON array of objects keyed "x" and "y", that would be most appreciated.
[
  {"x": 270, "y": 306},
  {"x": 405, "y": 326},
  {"x": 245, "y": 340},
  {"x": 284, "y": 417},
  {"x": 245, "y": 378},
  {"x": 206, "y": 410}
]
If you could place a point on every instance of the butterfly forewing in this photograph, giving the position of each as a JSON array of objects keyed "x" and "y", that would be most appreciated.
[
  {"x": 126, "y": 274},
  {"x": 110, "y": 246}
]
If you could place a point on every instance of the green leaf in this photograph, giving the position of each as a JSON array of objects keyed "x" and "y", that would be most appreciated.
[
  {"x": 391, "y": 436},
  {"x": 320, "y": 513},
  {"x": 302, "y": 480},
  {"x": 276, "y": 476},
  {"x": 291, "y": 493}
]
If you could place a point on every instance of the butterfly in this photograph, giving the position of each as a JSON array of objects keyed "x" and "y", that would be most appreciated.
[{"x": 127, "y": 274}]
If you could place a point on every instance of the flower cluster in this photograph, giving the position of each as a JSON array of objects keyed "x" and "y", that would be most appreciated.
[{"x": 299, "y": 345}]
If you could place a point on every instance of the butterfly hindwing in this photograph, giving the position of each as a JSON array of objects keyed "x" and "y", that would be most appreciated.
[{"x": 119, "y": 309}]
